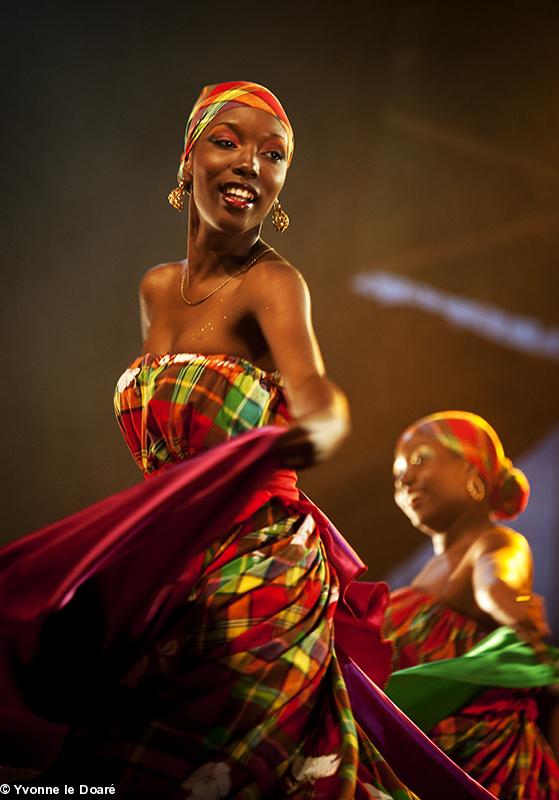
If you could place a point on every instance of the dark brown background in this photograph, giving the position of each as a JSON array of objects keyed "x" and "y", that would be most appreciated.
[{"x": 426, "y": 145}]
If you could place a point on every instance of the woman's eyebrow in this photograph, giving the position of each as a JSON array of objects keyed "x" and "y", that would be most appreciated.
[
  {"x": 230, "y": 125},
  {"x": 236, "y": 128}
]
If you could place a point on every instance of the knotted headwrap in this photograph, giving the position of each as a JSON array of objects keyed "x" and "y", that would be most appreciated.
[
  {"x": 216, "y": 99},
  {"x": 472, "y": 438}
]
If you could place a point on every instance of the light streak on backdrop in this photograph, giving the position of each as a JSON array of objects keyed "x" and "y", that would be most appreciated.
[{"x": 515, "y": 331}]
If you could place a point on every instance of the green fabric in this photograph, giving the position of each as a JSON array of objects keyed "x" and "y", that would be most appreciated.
[{"x": 429, "y": 692}]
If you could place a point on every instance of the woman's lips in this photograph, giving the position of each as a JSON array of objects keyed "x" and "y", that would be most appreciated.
[
  {"x": 237, "y": 202},
  {"x": 238, "y": 195},
  {"x": 415, "y": 500}
]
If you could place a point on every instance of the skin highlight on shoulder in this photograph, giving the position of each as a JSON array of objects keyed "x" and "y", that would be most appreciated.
[
  {"x": 274, "y": 275},
  {"x": 159, "y": 276},
  {"x": 498, "y": 537}
]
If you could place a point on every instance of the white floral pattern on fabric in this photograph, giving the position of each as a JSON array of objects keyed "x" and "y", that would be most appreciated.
[
  {"x": 181, "y": 358},
  {"x": 310, "y": 769},
  {"x": 376, "y": 794},
  {"x": 210, "y": 782},
  {"x": 304, "y": 531},
  {"x": 334, "y": 594},
  {"x": 127, "y": 377}
]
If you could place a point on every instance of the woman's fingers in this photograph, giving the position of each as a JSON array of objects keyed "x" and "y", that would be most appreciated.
[
  {"x": 534, "y": 635},
  {"x": 309, "y": 441}
]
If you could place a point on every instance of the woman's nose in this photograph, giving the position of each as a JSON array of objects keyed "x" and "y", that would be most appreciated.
[
  {"x": 407, "y": 477},
  {"x": 247, "y": 164}
]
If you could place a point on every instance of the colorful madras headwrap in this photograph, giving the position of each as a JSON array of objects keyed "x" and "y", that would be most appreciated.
[
  {"x": 471, "y": 437},
  {"x": 215, "y": 99}
]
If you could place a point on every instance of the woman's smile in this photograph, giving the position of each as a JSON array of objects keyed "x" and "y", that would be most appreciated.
[
  {"x": 415, "y": 499},
  {"x": 238, "y": 195}
]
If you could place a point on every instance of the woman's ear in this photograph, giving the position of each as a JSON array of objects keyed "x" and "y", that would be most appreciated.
[
  {"x": 187, "y": 171},
  {"x": 471, "y": 470}
]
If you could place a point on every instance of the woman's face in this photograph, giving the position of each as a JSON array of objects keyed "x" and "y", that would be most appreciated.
[
  {"x": 237, "y": 169},
  {"x": 430, "y": 483}
]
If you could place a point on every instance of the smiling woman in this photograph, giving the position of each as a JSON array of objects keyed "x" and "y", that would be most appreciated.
[
  {"x": 184, "y": 629},
  {"x": 454, "y": 483}
]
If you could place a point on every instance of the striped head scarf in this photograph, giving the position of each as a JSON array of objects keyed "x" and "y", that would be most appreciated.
[
  {"x": 472, "y": 438},
  {"x": 216, "y": 99}
]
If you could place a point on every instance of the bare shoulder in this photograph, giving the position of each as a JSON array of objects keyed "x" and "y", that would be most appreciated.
[
  {"x": 275, "y": 279},
  {"x": 498, "y": 538},
  {"x": 157, "y": 279}
]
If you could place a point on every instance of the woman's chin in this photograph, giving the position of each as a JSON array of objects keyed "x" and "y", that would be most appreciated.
[
  {"x": 424, "y": 523},
  {"x": 425, "y": 529},
  {"x": 235, "y": 224}
]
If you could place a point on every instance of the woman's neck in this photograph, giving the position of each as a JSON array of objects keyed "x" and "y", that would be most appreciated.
[
  {"x": 461, "y": 533},
  {"x": 210, "y": 250}
]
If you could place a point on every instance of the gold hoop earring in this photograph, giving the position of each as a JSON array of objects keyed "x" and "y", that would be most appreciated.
[
  {"x": 280, "y": 220},
  {"x": 475, "y": 488},
  {"x": 176, "y": 195}
]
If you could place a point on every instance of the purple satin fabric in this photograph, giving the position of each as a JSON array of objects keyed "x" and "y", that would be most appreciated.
[{"x": 420, "y": 764}]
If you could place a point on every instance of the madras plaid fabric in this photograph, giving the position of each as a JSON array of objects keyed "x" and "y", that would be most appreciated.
[
  {"x": 494, "y": 738},
  {"x": 473, "y": 439},
  {"x": 242, "y": 694},
  {"x": 172, "y": 407},
  {"x": 220, "y": 97}
]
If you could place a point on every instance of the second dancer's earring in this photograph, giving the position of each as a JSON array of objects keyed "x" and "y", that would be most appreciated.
[
  {"x": 280, "y": 220},
  {"x": 176, "y": 195},
  {"x": 475, "y": 488}
]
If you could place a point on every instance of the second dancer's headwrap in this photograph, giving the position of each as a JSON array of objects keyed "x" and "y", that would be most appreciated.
[
  {"x": 216, "y": 99},
  {"x": 473, "y": 439}
]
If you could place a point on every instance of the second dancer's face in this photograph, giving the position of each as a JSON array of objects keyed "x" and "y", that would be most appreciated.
[
  {"x": 430, "y": 483},
  {"x": 237, "y": 169}
]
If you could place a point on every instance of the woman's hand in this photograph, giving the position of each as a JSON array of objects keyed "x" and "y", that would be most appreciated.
[
  {"x": 529, "y": 621},
  {"x": 308, "y": 442}
]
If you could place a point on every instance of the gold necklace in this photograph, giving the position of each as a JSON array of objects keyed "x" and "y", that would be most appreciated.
[{"x": 186, "y": 276}]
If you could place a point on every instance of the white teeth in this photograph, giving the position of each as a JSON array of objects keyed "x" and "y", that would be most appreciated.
[{"x": 236, "y": 191}]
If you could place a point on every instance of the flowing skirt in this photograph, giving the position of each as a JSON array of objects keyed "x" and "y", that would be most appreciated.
[{"x": 181, "y": 636}]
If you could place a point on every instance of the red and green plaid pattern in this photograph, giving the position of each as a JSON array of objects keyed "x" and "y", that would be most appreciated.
[
  {"x": 172, "y": 407},
  {"x": 242, "y": 695},
  {"x": 495, "y": 738}
]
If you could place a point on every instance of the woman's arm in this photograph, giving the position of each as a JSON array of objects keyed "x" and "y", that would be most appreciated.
[
  {"x": 279, "y": 298},
  {"x": 502, "y": 583},
  {"x": 154, "y": 284}
]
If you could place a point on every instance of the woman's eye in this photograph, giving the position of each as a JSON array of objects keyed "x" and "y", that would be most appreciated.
[
  {"x": 276, "y": 155},
  {"x": 225, "y": 143},
  {"x": 421, "y": 455}
]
